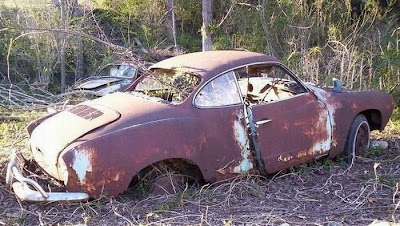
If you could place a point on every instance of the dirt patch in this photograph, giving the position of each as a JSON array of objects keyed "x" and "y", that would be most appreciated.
[{"x": 324, "y": 193}]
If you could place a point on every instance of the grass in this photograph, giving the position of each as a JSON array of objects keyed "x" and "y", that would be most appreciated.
[{"x": 13, "y": 132}]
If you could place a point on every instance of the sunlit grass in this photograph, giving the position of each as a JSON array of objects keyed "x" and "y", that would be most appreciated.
[{"x": 13, "y": 132}]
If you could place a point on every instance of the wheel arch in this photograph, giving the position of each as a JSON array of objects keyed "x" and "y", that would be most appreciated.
[
  {"x": 374, "y": 118},
  {"x": 182, "y": 165}
]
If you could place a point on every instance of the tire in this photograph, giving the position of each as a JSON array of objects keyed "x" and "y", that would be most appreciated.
[
  {"x": 358, "y": 138},
  {"x": 168, "y": 177}
]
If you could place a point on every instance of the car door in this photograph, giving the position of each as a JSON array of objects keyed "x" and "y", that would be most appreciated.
[
  {"x": 222, "y": 126},
  {"x": 292, "y": 125}
]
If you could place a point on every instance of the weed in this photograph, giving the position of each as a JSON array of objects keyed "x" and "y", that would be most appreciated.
[
  {"x": 170, "y": 203},
  {"x": 13, "y": 133},
  {"x": 302, "y": 169},
  {"x": 374, "y": 152},
  {"x": 327, "y": 164},
  {"x": 387, "y": 180}
]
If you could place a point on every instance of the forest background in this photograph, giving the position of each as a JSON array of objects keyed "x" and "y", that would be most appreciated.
[
  {"x": 47, "y": 45},
  {"x": 357, "y": 41}
]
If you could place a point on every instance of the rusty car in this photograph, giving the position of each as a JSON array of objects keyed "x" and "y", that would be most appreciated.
[{"x": 221, "y": 113}]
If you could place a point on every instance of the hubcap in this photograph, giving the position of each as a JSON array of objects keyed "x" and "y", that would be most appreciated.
[{"x": 362, "y": 138}]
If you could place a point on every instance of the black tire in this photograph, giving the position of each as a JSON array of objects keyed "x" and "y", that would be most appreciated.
[{"x": 358, "y": 138}]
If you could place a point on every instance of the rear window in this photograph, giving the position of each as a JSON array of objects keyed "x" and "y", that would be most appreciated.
[{"x": 173, "y": 86}]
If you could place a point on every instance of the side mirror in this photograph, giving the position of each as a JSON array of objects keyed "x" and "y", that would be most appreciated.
[{"x": 337, "y": 85}]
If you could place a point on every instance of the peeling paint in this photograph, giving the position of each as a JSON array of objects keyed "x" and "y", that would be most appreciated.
[
  {"x": 243, "y": 141},
  {"x": 302, "y": 154},
  {"x": 285, "y": 158},
  {"x": 325, "y": 145},
  {"x": 81, "y": 164}
]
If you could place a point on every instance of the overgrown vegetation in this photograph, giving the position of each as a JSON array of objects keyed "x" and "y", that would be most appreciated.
[{"x": 355, "y": 41}]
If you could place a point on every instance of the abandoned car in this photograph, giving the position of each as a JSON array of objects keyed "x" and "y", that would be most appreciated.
[
  {"x": 112, "y": 78},
  {"x": 222, "y": 112}
]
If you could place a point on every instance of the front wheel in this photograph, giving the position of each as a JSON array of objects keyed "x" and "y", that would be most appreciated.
[{"x": 358, "y": 138}]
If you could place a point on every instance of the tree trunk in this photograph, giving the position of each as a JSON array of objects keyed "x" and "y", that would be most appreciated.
[
  {"x": 56, "y": 3},
  {"x": 62, "y": 49},
  {"x": 76, "y": 11},
  {"x": 79, "y": 57},
  {"x": 171, "y": 27},
  {"x": 80, "y": 60},
  {"x": 264, "y": 25},
  {"x": 207, "y": 19}
]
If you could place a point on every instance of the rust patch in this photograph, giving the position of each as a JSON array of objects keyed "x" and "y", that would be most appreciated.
[
  {"x": 242, "y": 139},
  {"x": 285, "y": 158},
  {"x": 302, "y": 154}
]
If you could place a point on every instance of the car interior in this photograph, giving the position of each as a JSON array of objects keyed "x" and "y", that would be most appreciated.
[{"x": 261, "y": 84}]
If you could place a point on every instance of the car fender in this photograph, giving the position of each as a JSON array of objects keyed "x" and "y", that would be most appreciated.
[
  {"x": 345, "y": 106},
  {"x": 110, "y": 161}
]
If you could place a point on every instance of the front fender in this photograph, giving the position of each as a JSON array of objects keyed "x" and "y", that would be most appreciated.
[{"x": 108, "y": 163}]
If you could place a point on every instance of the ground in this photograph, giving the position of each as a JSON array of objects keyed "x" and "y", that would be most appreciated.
[{"x": 325, "y": 192}]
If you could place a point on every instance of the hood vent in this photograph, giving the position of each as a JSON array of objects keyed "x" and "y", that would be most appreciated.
[{"x": 85, "y": 112}]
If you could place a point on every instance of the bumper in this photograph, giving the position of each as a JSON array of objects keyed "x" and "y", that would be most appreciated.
[{"x": 22, "y": 186}]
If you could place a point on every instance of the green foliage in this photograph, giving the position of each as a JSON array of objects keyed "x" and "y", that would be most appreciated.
[
  {"x": 318, "y": 39},
  {"x": 190, "y": 42}
]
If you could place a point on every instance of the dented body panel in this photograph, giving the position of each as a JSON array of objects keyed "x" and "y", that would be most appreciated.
[
  {"x": 107, "y": 141},
  {"x": 299, "y": 130}
]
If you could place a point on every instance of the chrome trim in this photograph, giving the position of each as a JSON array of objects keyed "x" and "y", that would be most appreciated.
[
  {"x": 262, "y": 122},
  {"x": 22, "y": 187}
]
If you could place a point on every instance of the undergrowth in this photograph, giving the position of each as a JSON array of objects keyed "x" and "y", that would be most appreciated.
[{"x": 13, "y": 131}]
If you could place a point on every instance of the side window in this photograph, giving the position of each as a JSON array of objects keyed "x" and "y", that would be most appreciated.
[
  {"x": 262, "y": 84},
  {"x": 222, "y": 91}
]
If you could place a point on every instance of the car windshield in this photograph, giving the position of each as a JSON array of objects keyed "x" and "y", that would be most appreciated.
[
  {"x": 122, "y": 70},
  {"x": 173, "y": 86}
]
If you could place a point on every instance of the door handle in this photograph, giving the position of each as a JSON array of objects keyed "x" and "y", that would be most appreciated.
[{"x": 262, "y": 122}]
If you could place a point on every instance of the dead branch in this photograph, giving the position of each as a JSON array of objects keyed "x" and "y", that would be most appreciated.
[{"x": 10, "y": 118}]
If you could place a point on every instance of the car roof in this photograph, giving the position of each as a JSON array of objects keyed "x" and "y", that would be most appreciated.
[{"x": 210, "y": 63}]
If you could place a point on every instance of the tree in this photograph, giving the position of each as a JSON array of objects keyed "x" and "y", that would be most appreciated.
[
  {"x": 62, "y": 46},
  {"x": 170, "y": 5},
  {"x": 207, "y": 19}
]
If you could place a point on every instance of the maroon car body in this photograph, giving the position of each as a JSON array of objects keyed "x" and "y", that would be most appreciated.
[{"x": 245, "y": 112}]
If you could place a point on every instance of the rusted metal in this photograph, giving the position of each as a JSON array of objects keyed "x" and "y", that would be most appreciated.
[
  {"x": 254, "y": 137},
  {"x": 99, "y": 146},
  {"x": 211, "y": 63},
  {"x": 22, "y": 185}
]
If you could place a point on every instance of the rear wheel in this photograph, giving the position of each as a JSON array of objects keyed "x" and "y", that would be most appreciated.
[{"x": 358, "y": 138}]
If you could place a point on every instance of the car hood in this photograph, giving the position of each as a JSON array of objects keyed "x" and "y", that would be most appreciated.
[
  {"x": 50, "y": 137},
  {"x": 91, "y": 119},
  {"x": 95, "y": 83},
  {"x": 135, "y": 109}
]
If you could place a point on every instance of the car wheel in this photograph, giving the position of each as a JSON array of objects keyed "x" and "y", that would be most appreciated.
[
  {"x": 358, "y": 138},
  {"x": 169, "y": 177},
  {"x": 168, "y": 183}
]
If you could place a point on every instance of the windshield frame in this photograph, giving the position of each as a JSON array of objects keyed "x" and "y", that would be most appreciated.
[{"x": 152, "y": 72}]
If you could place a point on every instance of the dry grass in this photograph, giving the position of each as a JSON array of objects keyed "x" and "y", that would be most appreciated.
[
  {"x": 310, "y": 194},
  {"x": 318, "y": 193}
]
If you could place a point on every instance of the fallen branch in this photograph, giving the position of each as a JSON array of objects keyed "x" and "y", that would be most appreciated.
[{"x": 10, "y": 118}]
